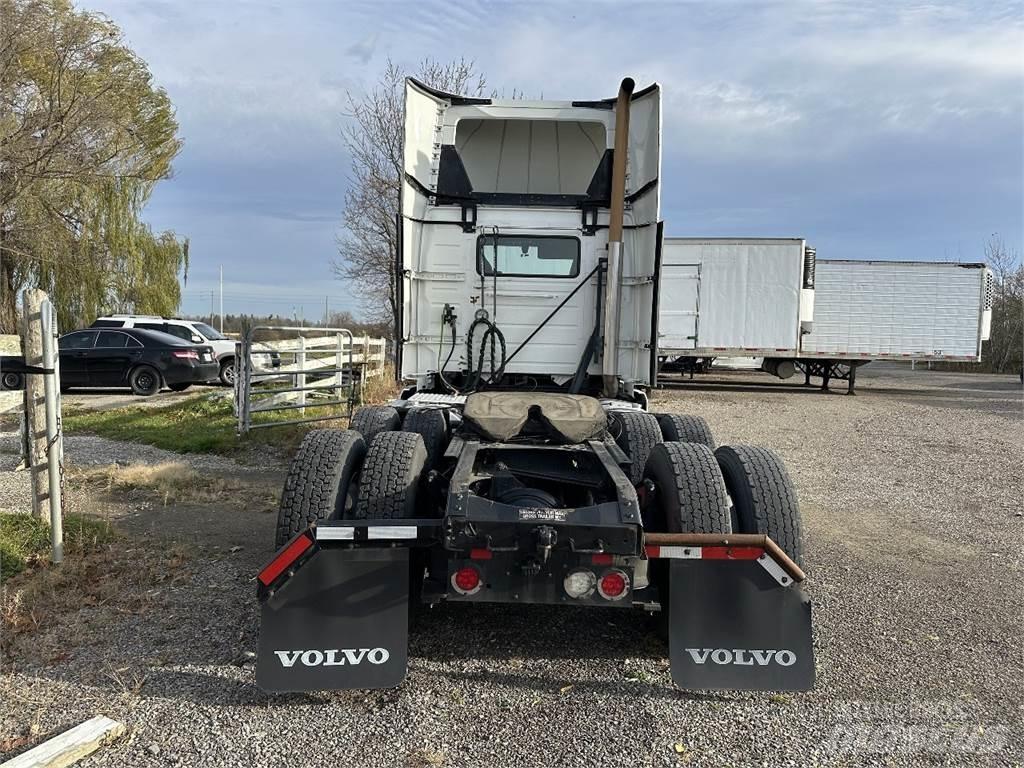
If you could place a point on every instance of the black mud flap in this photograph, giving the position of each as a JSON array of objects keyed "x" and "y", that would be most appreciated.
[
  {"x": 341, "y": 621},
  {"x": 732, "y": 626}
]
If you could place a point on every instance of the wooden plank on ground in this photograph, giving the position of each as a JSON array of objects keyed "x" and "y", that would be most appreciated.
[{"x": 69, "y": 747}]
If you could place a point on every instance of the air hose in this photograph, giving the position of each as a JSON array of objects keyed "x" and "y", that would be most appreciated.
[{"x": 492, "y": 334}]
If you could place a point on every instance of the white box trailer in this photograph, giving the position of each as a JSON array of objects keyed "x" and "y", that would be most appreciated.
[
  {"x": 899, "y": 310},
  {"x": 733, "y": 297},
  {"x": 771, "y": 298}
]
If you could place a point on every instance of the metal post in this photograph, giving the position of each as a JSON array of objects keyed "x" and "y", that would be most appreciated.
[
  {"x": 300, "y": 379},
  {"x": 340, "y": 371},
  {"x": 222, "y": 304},
  {"x": 53, "y": 449}
]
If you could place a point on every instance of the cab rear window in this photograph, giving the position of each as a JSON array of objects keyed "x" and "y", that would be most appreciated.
[{"x": 527, "y": 256}]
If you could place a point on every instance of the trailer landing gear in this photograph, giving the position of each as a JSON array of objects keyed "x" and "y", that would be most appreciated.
[{"x": 831, "y": 369}]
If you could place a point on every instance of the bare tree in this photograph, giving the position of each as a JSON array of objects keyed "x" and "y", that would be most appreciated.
[
  {"x": 373, "y": 137},
  {"x": 1005, "y": 347}
]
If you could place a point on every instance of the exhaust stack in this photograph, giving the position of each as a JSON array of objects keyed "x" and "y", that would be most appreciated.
[{"x": 610, "y": 349}]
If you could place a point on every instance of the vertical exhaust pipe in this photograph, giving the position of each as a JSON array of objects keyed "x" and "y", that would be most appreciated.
[{"x": 610, "y": 349}]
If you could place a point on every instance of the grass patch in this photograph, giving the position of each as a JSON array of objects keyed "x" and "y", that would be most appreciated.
[
  {"x": 207, "y": 424},
  {"x": 201, "y": 424},
  {"x": 25, "y": 540},
  {"x": 172, "y": 481}
]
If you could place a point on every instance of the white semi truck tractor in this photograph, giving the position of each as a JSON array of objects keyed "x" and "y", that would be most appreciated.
[{"x": 520, "y": 463}]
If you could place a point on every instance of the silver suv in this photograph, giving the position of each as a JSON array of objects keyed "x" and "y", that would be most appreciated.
[{"x": 264, "y": 359}]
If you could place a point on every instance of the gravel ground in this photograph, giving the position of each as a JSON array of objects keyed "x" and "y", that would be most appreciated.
[{"x": 911, "y": 494}]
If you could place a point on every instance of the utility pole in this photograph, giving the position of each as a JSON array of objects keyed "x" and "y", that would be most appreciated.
[
  {"x": 222, "y": 298},
  {"x": 327, "y": 313}
]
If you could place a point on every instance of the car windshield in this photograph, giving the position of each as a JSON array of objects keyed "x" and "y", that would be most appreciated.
[{"x": 209, "y": 332}]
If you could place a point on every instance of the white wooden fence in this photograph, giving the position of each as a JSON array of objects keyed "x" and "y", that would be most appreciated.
[{"x": 317, "y": 368}]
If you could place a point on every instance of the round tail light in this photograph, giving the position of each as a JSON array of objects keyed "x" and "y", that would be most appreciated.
[
  {"x": 613, "y": 585},
  {"x": 580, "y": 583},
  {"x": 466, "y": 580}
]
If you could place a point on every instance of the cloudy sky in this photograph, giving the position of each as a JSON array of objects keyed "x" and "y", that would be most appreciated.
[{"x": 881, "y": 130}]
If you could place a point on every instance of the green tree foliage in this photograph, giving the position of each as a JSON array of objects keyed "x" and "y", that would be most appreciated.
[{"x": 84, "y": 137}]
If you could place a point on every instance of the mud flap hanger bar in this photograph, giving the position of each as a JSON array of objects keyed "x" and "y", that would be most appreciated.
[{"x": 738, "y": 546}]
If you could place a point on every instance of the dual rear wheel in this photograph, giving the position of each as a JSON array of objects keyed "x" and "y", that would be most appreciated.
[
  {"x": 701, "y": 488},
  {"x": 369, "y": 472}
]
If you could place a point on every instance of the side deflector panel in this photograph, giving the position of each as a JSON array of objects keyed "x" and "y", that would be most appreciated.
[
  {"x": 421, "y": 147},
  {"x": 640, "y": 237},
  {"x": 340, "y": 622},
  {"x": 734, "y": 627}
]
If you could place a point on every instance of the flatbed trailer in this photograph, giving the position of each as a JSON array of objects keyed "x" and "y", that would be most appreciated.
[{"x": 520, "y": 463}]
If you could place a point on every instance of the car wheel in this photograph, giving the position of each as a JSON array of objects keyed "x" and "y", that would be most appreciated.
[
  {"x": 227, "y": 372},
  {"x": 180, "y": 387},
  {"x": 144, "y": 380}
]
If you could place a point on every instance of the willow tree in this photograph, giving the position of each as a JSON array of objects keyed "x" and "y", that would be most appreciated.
[{"x": 84, "y": 137}]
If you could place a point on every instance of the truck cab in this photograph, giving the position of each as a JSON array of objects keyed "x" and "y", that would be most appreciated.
[{"x": 504, "y": 225}]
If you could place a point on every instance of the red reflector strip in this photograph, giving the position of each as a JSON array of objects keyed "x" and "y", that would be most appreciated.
[
  {"x": 479, "y": 553},
  {"x": 285, "y": 558},
  {"x": 653, "y": 551},
  {"x": 731, "y": 553},
  {"x": 602, "y": 558}
]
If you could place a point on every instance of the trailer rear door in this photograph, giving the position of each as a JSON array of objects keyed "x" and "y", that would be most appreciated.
[{"x": 680, "y": 307}]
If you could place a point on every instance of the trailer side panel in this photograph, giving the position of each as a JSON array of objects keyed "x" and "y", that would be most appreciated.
[{"x": 877, "y": 309}]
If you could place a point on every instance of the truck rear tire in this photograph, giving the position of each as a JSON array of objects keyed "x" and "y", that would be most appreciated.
[
  {"x": 637, "y": 433},
  {"x": 430, "y": 424},
  {"x": 390, "y": 478},
  {"x": 318, "y": 481},
  {"x": 677, "y": 428},
  {"x": 370, "y": 420},
  {"x": 763, "y": 497},
  {"x": 691, "y": 495}
]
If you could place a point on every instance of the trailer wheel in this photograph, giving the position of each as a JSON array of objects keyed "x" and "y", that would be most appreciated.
[
  {"x": 637, "y": 433},
  {"x": 390, "y": 478},
  {"x": 430, "y": 424},
  {"x": 317, "y": 485},
  {"x": 691, "y": 496},
  {"x": 676, "y": 428},
  {"x": 764, "y": 499},
  {"x": 372, "y": 419}
]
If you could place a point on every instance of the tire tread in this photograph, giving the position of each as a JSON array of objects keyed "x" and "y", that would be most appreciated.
[
  {"x": 312, "y": 486},
  {"x": 388, "y": 483},
  {"x": 758, "y": 477}
]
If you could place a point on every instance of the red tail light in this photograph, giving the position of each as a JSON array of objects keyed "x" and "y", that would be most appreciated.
[
  {"x": 613, "y": 585},
  {"x": 466, "y": 580},
  {"x": 187, "y": 354}
]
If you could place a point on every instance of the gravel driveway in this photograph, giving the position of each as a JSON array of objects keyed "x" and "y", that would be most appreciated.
[{"x": 911, "y": 495}]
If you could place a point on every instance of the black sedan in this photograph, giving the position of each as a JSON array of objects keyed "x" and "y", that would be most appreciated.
[{"x": 131, "y": 357}]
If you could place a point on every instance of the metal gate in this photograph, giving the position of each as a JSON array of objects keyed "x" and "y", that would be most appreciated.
[{"x": 316, "y": 369}]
